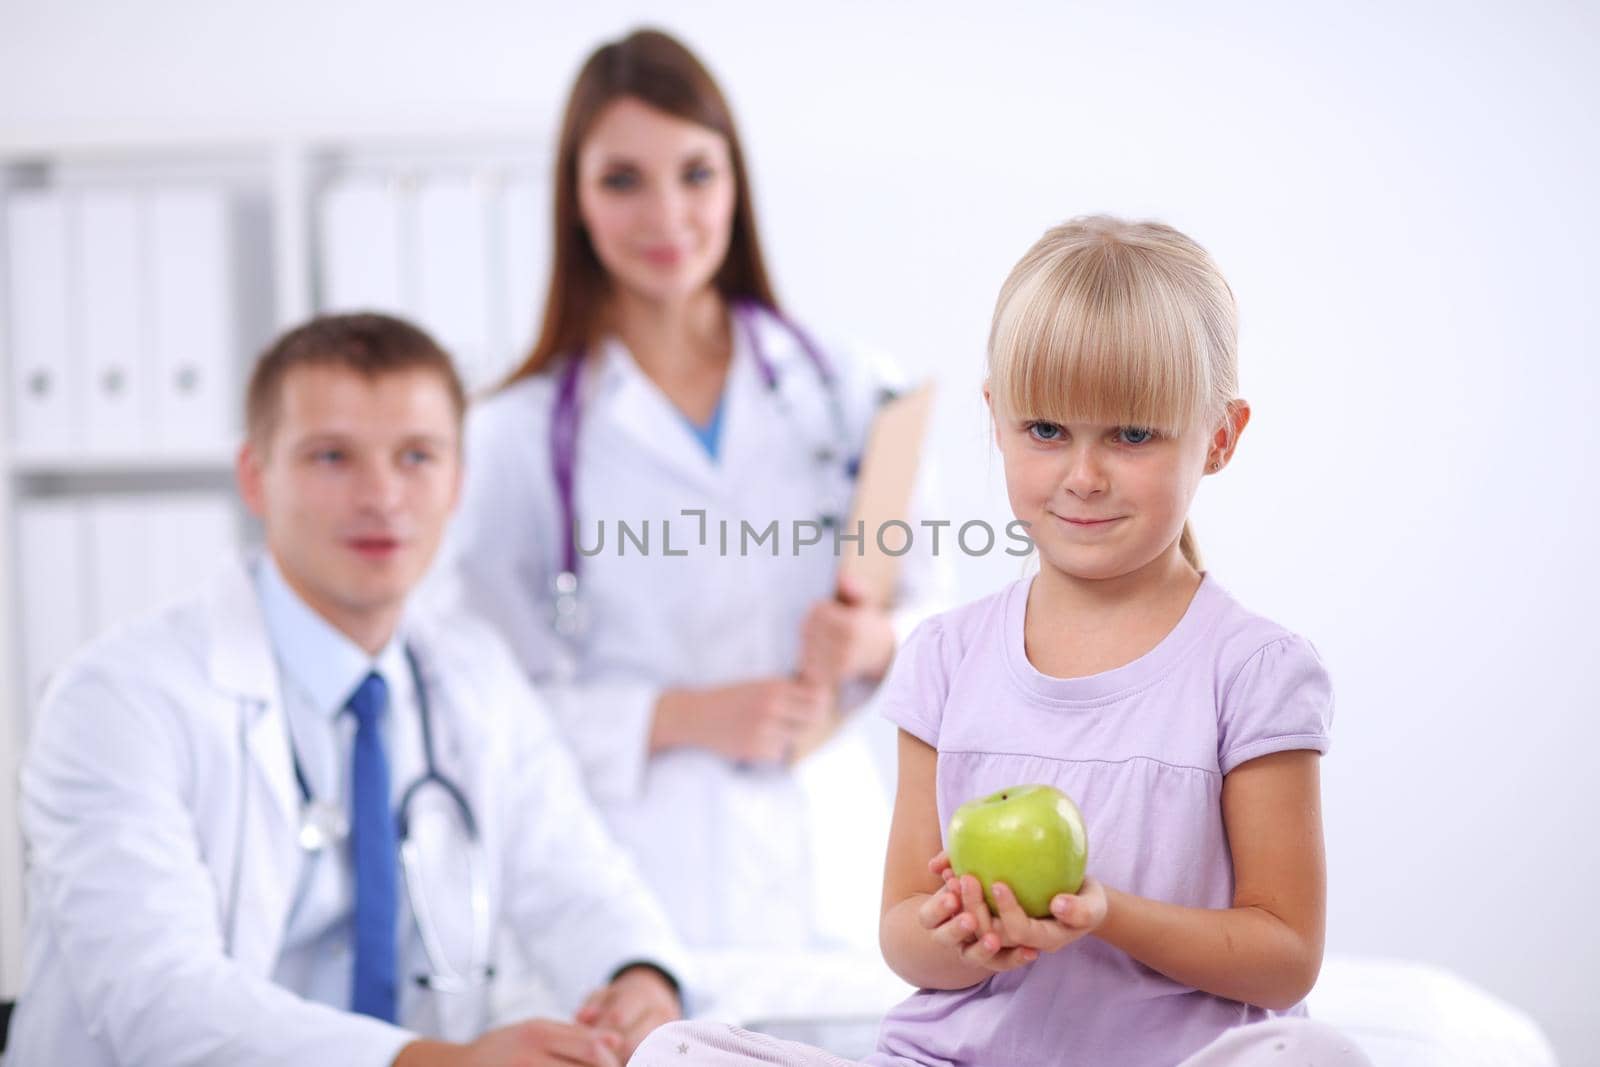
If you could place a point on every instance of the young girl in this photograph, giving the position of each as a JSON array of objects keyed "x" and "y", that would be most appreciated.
[{"x": 1187, "y": 728}]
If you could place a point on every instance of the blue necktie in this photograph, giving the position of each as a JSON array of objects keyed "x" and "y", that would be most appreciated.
[{"x": 374, "y": 848}]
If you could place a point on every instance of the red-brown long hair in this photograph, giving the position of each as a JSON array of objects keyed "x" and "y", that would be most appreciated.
[{"x": 656, "y": 69}]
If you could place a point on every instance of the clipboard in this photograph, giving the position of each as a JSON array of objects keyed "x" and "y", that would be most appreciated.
[{"x": 884, "y": 484}]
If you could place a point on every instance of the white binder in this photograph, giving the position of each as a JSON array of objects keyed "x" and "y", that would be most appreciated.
[
  {"x": 190, "y": 536},
  {"x": 147, "y": 549},
  {"x": 120, "y": 559},
  {"x": 452, "y": 265},
  {"x": 53, "y": 620},
  {"x": 45, "y": 374},
  {"x": 359, "y": 247},
  {"x": 193, "y": 331},
  {"x": 110, "y": 309}
]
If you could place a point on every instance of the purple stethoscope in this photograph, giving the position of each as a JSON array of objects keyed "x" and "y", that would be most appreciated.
[{"x": 564, "y": 443}]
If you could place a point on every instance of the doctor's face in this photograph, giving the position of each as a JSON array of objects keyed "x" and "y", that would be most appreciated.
[
  {"x": 656, "y": 195},
  {"x": 354, "y": 484}
]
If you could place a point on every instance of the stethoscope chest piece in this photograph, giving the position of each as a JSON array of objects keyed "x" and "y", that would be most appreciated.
[
  {"x": 323, "y": 824},
  {"x": 568, "y": 609}
]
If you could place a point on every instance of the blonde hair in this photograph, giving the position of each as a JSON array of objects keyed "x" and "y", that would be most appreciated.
[{"x": 1116, "y": 322}]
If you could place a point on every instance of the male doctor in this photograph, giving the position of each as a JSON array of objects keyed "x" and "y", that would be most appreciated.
[{"x": 210, "y": 798}]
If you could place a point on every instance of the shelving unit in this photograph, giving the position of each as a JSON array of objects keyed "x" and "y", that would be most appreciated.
[
  {"x": 453, "y": 237},
  {"x": 11, "y": 741}
]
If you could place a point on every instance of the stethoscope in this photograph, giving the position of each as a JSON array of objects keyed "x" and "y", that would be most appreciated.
[
  {"x": 565, "y": 413},
  {"x": 324, "y": 824}
]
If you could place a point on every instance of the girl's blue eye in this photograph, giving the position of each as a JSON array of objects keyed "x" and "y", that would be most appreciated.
[
  {"x": 700, "y": 174},
  {"x": 1135, "y": 435},
  {"x": 620, "y": 181},
  {"x": 327, "y": 455},
  {"x": 417, "y": 456},
  {"x": 1044, "y": 431}
]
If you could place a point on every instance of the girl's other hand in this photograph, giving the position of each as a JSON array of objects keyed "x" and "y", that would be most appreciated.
[
  {"x": 1072, "y": 916},
  {"x": 959, "y": 919}
]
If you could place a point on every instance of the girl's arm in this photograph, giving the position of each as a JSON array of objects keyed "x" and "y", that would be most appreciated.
[
  {"x": 926, "y": 936},
  {"x": 1267, "y": 948}
]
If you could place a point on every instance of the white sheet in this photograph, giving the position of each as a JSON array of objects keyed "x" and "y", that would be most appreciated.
[{"x": 1403, "y": 1013}]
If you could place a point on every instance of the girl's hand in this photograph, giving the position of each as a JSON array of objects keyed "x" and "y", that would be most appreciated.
[
  {"x": 845, "y": 638},
  {"x": 959, "y": 919},
  {"x": 1072, "y": 915}
]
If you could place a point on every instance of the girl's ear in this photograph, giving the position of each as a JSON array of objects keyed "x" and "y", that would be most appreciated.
[{"x": 1234, "y": 419}]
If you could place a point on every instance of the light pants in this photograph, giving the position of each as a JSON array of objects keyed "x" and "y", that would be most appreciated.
[{"x": 1289, "y": 1042}]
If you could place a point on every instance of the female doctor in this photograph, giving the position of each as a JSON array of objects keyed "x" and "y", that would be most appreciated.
[{"x": 617, "y": 526}]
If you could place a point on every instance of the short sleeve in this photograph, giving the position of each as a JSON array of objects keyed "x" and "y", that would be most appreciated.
[
  {"x": 913, "y": 695},
  {"x": 1281, "y": 699}
]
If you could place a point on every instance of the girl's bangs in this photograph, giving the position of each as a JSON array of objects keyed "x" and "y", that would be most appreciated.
[{"x": 1069, "y": 347}]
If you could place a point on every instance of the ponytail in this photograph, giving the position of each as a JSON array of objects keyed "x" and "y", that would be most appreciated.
[{"x": 1190, "y": 547}]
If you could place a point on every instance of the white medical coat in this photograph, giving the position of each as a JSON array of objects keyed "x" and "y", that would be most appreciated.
[
  {"x": 741, "y": 856},
  {"x": 160, "y": 811}
]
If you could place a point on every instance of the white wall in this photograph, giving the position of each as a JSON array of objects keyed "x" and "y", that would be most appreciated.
[{"x": 1403, "y": 198}]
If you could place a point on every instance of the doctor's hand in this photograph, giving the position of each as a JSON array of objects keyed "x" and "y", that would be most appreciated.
[
  {"x": 535, "y": 1043},
  {"x": 636, "y": 1002},
  {"x": 846, "y": 638},
  {"x": 752, "y": 722}
]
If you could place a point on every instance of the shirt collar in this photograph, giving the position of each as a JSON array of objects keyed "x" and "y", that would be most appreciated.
[
  {"x": 313, "y": 654},
  {"x": 616, "y": 363}
]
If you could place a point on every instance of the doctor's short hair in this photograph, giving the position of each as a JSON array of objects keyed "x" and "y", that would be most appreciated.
[
  {"x": 1119, "y": 323},
  {"x": 370, "y": 344}
]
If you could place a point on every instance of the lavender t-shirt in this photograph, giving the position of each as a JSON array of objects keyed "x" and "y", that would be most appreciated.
[{"x": 1142, "y": 749}]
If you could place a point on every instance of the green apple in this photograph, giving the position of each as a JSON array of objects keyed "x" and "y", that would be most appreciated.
[{"x": 1030, "y": 837}]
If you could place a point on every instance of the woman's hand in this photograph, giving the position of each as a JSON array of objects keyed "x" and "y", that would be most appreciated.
[
  {"x": 846, "y": 638},
  {"x": 752, "y": 722}
]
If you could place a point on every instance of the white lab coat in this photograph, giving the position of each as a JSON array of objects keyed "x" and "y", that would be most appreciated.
[
  {"x": 742, "y": 857},
  {"x": 160, "y": 811}
]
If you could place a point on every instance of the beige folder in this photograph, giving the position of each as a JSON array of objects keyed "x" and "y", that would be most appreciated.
[
  {"x": 883, "y": 494},
  {"x": 884, "y": 484}
]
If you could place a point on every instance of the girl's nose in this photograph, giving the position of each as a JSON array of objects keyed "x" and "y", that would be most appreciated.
[{"x": 1084, "y": 475}]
